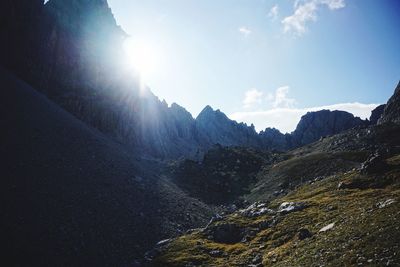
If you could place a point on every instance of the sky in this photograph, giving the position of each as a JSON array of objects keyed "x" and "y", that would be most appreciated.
[{"x": 266, "y": 62}]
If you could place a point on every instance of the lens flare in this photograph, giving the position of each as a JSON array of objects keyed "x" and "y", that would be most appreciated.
[{"x": 141, "y": 56}]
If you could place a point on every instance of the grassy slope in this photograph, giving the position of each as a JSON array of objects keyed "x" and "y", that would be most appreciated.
[{"x": 363, "y": 232}]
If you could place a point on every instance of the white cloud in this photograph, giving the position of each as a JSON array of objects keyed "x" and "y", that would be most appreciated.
[
  {"x": 286, "y": 119},
  {"x": 245, "y": 31},
  {"x": 252, "y": 98},
  {"x": 273, "y": 13},
  {"x": 306, "y": 11},
  {"x": 278, "y": 99},
  {"x": 281, "y": 100},
  {"x": 334, "y": 4}
]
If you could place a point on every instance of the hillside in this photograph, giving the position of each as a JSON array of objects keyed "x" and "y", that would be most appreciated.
[
  {"x": 98, "y": 171},
  {"x": 346, "y": 217},
  {"x": 72, "y": 196},
  {"x": 333, "y": 202}
]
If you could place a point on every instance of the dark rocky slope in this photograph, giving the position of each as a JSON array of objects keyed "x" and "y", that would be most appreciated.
[
  {"x": 391, "y": 113},
  {"x": 71, "y": 196},
  {"x": 223, "y": 175}
]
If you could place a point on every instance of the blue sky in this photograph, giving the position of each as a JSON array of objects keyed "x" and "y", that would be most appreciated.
[{"x": 268, "y": 62}]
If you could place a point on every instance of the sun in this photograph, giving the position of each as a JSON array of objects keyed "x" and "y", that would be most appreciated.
[{"x": 141, "y": 56}]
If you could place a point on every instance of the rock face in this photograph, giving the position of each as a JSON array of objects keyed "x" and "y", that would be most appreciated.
[
  {"x": 315, "y": 125},
  {"x": 19, "y": 22},
  {"x": 392, "y": 109},
  {"x": 376, "y": 114},
  {"x": 217, "y": 128},
  {"x": 274, "y": 139},
  {"x": 311, "y": 128}
]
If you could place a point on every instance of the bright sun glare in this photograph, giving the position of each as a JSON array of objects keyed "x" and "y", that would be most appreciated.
[{"x": 141, "y": 56}]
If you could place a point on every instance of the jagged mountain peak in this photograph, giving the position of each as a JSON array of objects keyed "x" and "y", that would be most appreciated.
[
  {"x": 181, "y": 111},
  {"x": 205, "y": 111},
  {"x": 315, "y": 125}
]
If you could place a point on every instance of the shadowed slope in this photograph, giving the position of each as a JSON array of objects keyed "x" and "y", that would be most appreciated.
[{"x": 71, "y": 196}]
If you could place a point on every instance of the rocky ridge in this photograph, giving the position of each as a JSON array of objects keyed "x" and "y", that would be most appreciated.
[{"x": 62, "y": 61}]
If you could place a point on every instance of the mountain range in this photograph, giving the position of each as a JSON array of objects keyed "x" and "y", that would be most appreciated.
[
  {"x": 73, "y": 57},
  {"x": 98, "y": 169}
]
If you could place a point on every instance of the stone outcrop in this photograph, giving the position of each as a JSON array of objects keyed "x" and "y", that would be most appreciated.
[
  {"x": 217, "y": 128},
  {"x": 274, "y": 139},
  {"x": 315, "y": 125},
  {"x": 311, "y": 128},
  {"x": 376, "y": 114},
  {"x": 391, "y": 114}
]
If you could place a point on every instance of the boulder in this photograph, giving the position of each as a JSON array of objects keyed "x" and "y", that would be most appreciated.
[
  {"x": 303, "y": 234},
  {"x": 327, "y": 228},
  {"x": 256, "y": 209},
  {"x": 287, "y": 207},
  {"x": 226, "y": 233},
  {"x": 375, "y": 163}
]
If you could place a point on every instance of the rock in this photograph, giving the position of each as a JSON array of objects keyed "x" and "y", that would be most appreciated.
[
  {"x": 215, "y": 218},
  {"x": 375, "y": 163},
  {"x": 303, "y": 234},
  {"x": 164, "y": 242},
  {"x": 226, "y": 233},
  {"x": 274, "y": 139},
  {"x": 256, "y": 209},
  {"x": 385, "y": 203},
  {"x": 216, "y": 128},
  {"x": 391, "y": 113},
  {"x": 216, "y": 253},
  {"x": 264, "y": 224},
  {"x": 249, "y": 234},
  {"x": 315, "y": 125},
  {"x": 287, "y": 207},
  {"x": 328, "y": 227},
  {"x": 376, "y": 114},
  {"x": 257, "y": 259}
]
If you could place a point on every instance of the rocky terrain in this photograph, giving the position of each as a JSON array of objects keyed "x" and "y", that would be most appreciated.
[
  {"x": 346, "y": 219},
  {"x": 72, "y": 196},
  {"x": 97, "y": 169},
  {"x": 333, "y": 202}
]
